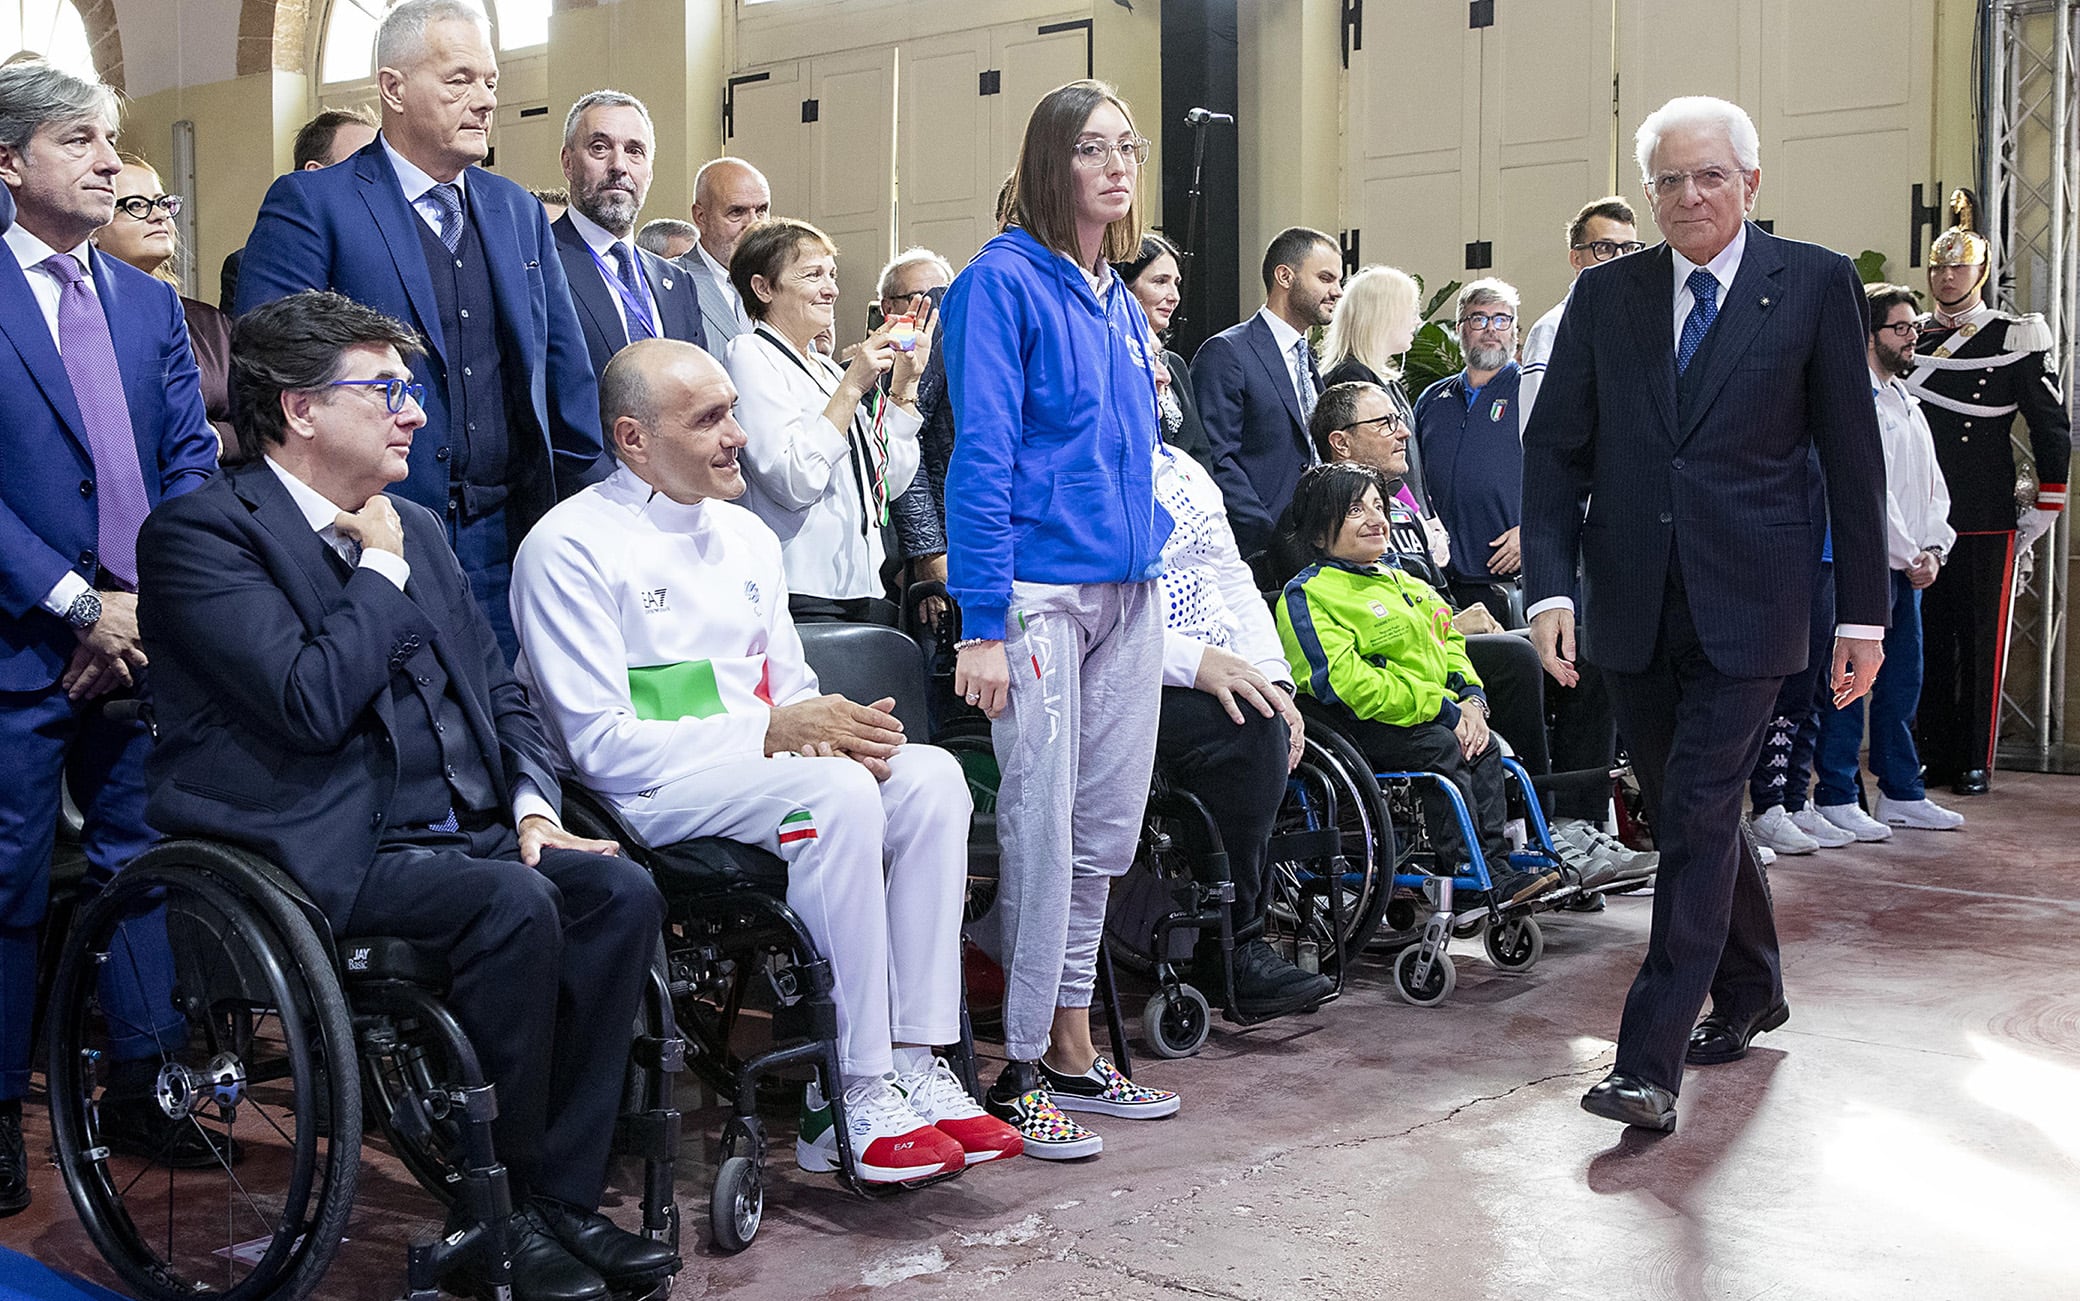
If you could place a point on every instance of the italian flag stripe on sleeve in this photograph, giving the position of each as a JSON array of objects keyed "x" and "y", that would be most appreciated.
[{"x": 797, "y": 826}]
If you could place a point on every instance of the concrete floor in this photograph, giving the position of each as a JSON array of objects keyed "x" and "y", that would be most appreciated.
[{"x": 1912, "y": 1133}]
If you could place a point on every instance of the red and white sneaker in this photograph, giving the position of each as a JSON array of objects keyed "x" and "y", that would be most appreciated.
[
  {"x": 938, "y": 1096},
  {"x": 891, "y": 1143}
]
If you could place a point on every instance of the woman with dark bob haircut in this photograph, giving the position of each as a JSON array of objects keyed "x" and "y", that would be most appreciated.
[
  {"x": 1377, "y": 642},
  {"x": 1157, "y": 281},
  {"x": 1054, "y": 540}
]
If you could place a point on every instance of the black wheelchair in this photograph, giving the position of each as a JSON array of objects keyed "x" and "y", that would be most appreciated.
[
  {"x": 288, "y": 1043},
  {"x": 750, "y": 991}
]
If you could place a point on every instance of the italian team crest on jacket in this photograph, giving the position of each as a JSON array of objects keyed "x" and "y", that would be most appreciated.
[{"x": 1498, "y": 409}]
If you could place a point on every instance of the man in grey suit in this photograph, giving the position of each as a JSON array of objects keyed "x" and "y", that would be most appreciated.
[
  {"x": 622, "y": 292},
  {"x": 729, "y": 194},
  {"x": 1695, "y": 391}
]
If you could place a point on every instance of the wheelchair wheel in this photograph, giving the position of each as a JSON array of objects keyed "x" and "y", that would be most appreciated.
[
  {"x": 1433, "y": 989},
  {"x": 1176, "y": 1021},
  {"x": 250, "y": 1049},
  {"x": 1332, "y": 787},
  {"x": 1515, "y": 945},
  {"x": 737, "y": 1205}
]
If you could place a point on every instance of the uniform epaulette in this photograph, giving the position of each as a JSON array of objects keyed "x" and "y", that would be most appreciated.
[{"x": 2029, "y": 332}]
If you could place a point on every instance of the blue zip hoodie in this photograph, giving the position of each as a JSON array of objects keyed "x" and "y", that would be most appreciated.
[{"x": 1055, "y": 426}]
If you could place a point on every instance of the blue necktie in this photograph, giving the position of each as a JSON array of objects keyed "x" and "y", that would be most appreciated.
[
  {"x": 1704, "y": 287},
  {"x": 632, "y": 302},
  {"x": 448, "y": 198}
]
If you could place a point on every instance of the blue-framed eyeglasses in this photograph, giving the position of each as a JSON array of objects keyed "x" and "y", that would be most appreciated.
[{"x": 395, "y": 391}]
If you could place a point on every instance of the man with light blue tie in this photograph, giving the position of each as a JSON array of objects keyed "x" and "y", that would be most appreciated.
[
  {"x": 623, "y": 294},
  {"x": 1670, "y": 457},
  {"x": 413, "y": 227},
  {"x": 1256, "y": 384},
  {"x": 101, "y": 418}
]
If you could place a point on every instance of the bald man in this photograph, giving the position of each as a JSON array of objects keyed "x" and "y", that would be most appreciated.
[
  {"x": 729, "y": 194},
  {"x": 655, "y": 637}
]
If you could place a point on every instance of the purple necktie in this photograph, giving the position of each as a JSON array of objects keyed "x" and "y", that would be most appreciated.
[{"x": 97, "y": 385}]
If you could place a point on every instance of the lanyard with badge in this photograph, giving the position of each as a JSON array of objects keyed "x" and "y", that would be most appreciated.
[{"x": 874, "y": 496}]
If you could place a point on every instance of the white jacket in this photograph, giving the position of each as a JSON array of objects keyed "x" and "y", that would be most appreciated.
[
  {"x": 807, "y": 481},
  {"x": 1917, "y": 501},
  {"x": 1209, "y": 595},
  {"x": 654, "y": 637}
]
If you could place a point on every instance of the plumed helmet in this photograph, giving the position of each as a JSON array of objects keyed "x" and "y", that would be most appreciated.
[{"x": 1960, "y": 244}]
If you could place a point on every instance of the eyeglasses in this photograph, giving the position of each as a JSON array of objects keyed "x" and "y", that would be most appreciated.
[
  {"x": 143, "y": 209},
  {"x": 1904, "y": 330},
  {"x": 1092, "y": 153},
  {"x": 1709, "y": 180},
  {"x": 1388, "y": 422},
  {"x": 1487, "y": 320},
  {"x": 395, "y": 391},
  {"x": 1603, "y": 250}
]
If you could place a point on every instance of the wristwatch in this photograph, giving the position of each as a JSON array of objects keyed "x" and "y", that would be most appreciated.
[{"x": 85, "y": 610}]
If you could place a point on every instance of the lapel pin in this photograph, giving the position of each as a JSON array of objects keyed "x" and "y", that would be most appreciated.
[
  {"x": 668, "y": 282},
  {"x": 1765, "y": 302}
]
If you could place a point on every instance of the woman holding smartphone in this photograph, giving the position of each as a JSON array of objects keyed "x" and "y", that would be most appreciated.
[{"x": 1054, "y": 539}]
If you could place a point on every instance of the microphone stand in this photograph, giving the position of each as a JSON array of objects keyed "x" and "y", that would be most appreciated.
[{"x": 1191, "y": 220}]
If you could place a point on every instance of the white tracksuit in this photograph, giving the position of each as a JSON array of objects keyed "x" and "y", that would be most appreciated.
[{"x": 655, "y": 641}]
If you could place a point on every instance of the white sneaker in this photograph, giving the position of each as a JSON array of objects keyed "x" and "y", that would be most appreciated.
[
  {"x": 1856, "y": 822},
  {"x": 891, "y": 1143},
  {"x": 938, "y": 1096},
  {"x": 1922, "y": 815},
  {"x": 1775, "y": 830},
  {"x": 1825, "y": 833}
]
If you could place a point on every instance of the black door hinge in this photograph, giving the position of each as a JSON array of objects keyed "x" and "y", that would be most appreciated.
[
  {"x": 1480, "y": 13},
  {"x": 809, "y": 108},
  {"x": 992, "y": 82},
  {"x": 1348, "y": 242},
  {"x": 1353, "y": 28},
  {"x": 1480, "y": 255}
]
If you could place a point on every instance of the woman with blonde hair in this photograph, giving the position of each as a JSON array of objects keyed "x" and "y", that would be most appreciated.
[
  {"x": 1375, "y": 322},
  {"x": 143, "y": 234}
]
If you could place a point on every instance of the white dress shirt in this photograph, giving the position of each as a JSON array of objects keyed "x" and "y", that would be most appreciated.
[
  {"x": 418, "y": 187},
  {"x": 599, "y": 239},
  {"x": 322, "y": 515},
  {"x": 1285, "y": 336},
  {"x": 1538, "y": 350},
  {"x": 1917, "y": 501},
  {"x": 729, "y": 290},
  {"x": 48, "y": 289},
  {"x": 803, "y": 480}
]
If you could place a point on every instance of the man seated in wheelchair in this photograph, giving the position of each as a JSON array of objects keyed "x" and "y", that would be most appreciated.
[
  {"x": 654, "y": 631},
  {"x": 1229, "y": 732},
  {"x": 1362, "y": 633},
  {"x": 330, "y": 695}
]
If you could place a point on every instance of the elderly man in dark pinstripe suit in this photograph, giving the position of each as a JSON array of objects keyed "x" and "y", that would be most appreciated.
[{"x": 1671, "y": 457}]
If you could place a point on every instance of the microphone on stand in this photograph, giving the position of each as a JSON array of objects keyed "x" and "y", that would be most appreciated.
[{"x": 1201, "y": 116}]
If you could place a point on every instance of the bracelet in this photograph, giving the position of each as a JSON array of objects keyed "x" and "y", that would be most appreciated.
[
  {"x": 1476, "y": 702},
  {"x": 966, "y": 642}
]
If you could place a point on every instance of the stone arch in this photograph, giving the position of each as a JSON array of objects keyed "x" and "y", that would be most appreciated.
[
  {"x": 272, "y": 34},
  {"x": 104, "y": 41}
]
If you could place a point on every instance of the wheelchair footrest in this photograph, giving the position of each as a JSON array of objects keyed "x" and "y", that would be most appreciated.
[
  {"x": 652, "y": 1134},
  {"x": 1302, "y": 846}
]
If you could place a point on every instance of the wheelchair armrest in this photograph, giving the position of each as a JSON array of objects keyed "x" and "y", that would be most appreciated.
[{"x": 706, "y": 865}]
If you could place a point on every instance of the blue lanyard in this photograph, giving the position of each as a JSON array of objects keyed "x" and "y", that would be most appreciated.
[{"x": 629, "y": 302}]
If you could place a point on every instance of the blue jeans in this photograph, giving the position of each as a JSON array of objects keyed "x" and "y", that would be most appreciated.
[{"x": 1894, "y": 697}]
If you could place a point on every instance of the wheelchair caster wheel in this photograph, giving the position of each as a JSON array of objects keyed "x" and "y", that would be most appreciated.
[
  {"x": 737, "y": 1205},
  {"x": 1177, "y": 1021},
  {"x": 743, "y": 1136},
  {"x": 1516, "y": 945},
  {"x": 1435, "y": 989}
]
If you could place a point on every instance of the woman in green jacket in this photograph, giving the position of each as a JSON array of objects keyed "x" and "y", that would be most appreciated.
[{"x": 1379, "y": 643}]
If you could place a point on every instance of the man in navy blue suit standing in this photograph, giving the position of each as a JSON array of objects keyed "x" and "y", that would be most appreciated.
[
  {"x": 101, "y": 418},
  {"x": 1256, "y": 384},
  {"x": 1671, "y": 456},
  {"x": 412, "y": 227}
]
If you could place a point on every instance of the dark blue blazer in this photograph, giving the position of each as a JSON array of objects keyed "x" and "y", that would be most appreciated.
[
  {"x": 271, "y": 679},
  {"x": 1254, "y": 432},
  {"x": 678, "y": 302},
  {"x": 348, "y": 228},
  {"x": 48, "y": 517},
  {"x": 1625, "y": 468}
]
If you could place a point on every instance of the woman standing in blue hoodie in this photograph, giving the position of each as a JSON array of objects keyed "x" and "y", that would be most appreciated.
[{"x": 1054, "y": 539}]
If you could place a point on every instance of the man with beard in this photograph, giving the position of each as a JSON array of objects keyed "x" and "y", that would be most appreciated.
[
  {"x": 1917, "y": 537},
  {"x": 1466, "y": 430},
  {"x": 1256, "y": 384},
  {"x": 623, "y": 293},
  {"x": 1975, "y": 367}
]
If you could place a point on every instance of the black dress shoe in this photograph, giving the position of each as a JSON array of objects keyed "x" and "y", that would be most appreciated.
[
  {"x": 14, "y": 1162},
  {"x": 543, "y": 1270},
  {"x": 1632, "y": 1101},
  {"x": 140, "y": 1127},
  {"x": 1973, "y": 782},
  {"x": 629, "y": 1262},
  {"x": 1721, "y": 1038}
]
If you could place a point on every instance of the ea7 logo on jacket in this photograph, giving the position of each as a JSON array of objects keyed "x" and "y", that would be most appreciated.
[{"x": 653, "y": 601}]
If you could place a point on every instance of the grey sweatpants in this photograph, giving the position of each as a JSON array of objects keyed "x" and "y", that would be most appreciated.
[{"x": 1075, "y": 746}]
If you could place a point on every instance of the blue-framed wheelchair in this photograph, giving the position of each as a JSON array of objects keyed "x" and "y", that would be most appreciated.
[{"x": 280, "y": 1044}]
